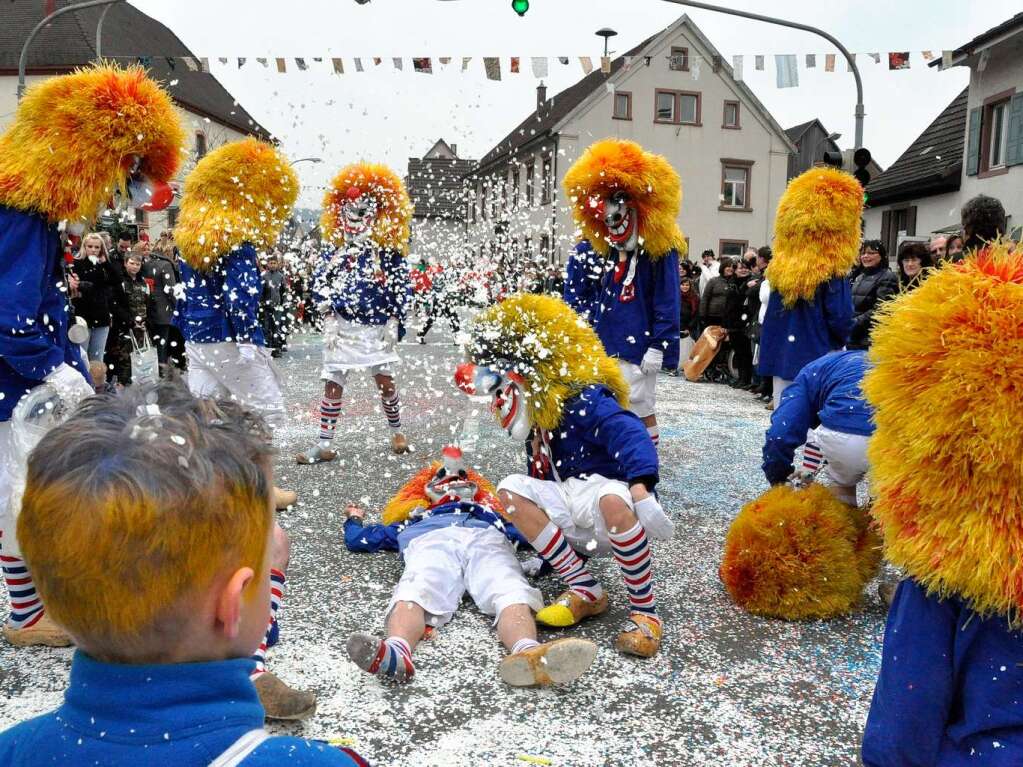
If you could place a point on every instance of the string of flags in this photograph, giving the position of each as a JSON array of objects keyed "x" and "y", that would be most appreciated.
[{"x": 787, "y": 65}]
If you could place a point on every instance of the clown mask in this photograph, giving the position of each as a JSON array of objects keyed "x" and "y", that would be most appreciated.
[
  {"x": 621, "y": 218},
  {"x": 451, "y": 483},
  {"x": 358, "y": 213},
  {"x": 506, "y": 392}
]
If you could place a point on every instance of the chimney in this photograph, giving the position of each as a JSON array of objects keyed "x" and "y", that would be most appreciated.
[
  {"x": 541, "y": 95},
  {"x": 454, "y": 149}
]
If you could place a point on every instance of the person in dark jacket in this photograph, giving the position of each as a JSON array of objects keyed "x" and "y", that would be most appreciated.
[
  {"x": 738, "y": 321},
  {"x": 717, "y": 301},
  {"x": 131, "y": 307},
  {"x": 914, "y": 262},
  {"x": 160, "y": 271},
  {"x": 875, "y": 284},
  {"x": 689, "y": 319},
  {"x": 92, "y": 303},
  {"x": 272, "y": 306}
]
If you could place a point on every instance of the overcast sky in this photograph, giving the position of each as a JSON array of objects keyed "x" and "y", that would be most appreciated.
[{"x": 387, "y": 116}]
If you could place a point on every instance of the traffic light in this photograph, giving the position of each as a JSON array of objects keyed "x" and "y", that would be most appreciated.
[
  {"x": 520, "y": 6},
  {"x": 861, "y": 159},
  {"x": 833, "y": 159}
]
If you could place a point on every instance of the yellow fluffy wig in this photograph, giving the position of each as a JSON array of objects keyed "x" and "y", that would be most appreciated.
[
  {"x": 799, "y": 554},
  {"x": 392, "y": 227},
  {"x": 652, "y": 184},
  {"x": 946, "y": 384},
  {"x": 74, "y": 138},
  {"x": 413, "y": 495},
  {"x": 240, "y": 192},
  {"x": 816, "y": 232},
  {"x": 551, "y": 346}
]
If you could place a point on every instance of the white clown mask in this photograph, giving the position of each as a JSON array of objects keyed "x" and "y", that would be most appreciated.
[
  {"x": 358, "y": 214},
  {"x": 506, "y": 392},
  {"x": 451, "y": 483}
]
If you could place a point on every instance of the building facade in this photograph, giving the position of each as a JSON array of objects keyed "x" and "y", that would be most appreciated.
[
  {"x": 436, "y": 187},
  {"x": 675, "y": 96}
]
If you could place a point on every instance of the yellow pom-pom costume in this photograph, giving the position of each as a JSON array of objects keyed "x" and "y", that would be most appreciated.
[
  {"x": 799, "y": 554},
  {"x": 392, "y": 225}
]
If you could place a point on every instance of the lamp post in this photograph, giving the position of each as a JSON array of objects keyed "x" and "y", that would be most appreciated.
[
  {"x": 606, "y": 34},
  {"x": 806, "y": 28},
  {"x": 307, "y": 159},
  {"x": 23, "y": 59}
]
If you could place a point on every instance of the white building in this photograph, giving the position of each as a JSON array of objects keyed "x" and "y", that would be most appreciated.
[
  {"x": 975, "y": 146},
  {"x": 436, "y": 188},
  {"x": 675, "y": 96},
  {"x": 209, "y": 114}
]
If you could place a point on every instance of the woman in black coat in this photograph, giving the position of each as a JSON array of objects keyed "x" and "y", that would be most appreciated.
[
  {"x": 717, "y": 307},
  {"x": 92, "y": 302},
  {"x": 874, "y": 285},
  {"x": 738, "y": 321}
]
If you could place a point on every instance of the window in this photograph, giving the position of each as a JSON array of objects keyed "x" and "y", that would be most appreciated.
[
  {"x": 515, "y": 187},
  {"x": 140, "y": 217},
  {"x": 483, "y": 201},
  {"x": 999, "y": 114},
  {"x": 622, "y": 106},
  {"x": 547, "y": 185},
  {"x": 732, "y": 248},
  {"x": 545, "y": 248},
  {"x": 995, "y": 134},
  {"x": 679, "y": 60},
  {"x": 531, "y": 183},
  {"x": 172, "y": 217},
  {"x": 731, "y": 116},
  {"x": 677, "y": 107},
  {"x": 897, "y": 222},
  {"x": 200, "y": 146},
  {"x": 735, "y": 185}
]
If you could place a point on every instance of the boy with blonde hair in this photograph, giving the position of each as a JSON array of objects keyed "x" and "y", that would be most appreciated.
[{"x": 149, "y": 523}]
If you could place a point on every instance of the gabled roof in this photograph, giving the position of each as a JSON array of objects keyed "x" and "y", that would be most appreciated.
[
  {"x": 932, "y": 164},
  {"x": 435, "y": 186},
  {"x": 985, "y": 39},
  {"x": 796, "y": 131},
  {"x": 70, "y": 41}
]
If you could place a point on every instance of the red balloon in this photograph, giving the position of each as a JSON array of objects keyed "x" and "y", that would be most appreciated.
[{"x": 161, "y": 197}]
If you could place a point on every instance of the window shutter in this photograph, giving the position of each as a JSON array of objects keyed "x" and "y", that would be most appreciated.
[
  {"x": 911, "y": 220},
  {"x": 886, "y": 228},
  {"x": 1014, "y": 137},
  {"x": 973, "y": 143}
]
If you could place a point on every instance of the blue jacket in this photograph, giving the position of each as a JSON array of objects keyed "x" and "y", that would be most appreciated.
[
  {"x": 598, "y": 436},
  {"x": 365, "y": 290},
  {"x": 792, "y": 337},
  {"x": 950, "y": 691},
  {"x": 826, "y": 391},
  {"x": 222, "y": 304},
  {"x": 34, "y": 313},
  {"x": 627, "y": 328},
  {"x": 183, "y": 714},
  {"x": 398, "y": 535}
]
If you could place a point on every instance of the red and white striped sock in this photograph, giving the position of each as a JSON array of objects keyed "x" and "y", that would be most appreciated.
[
  {"x": 655, "y": 434},
  {"x": 632, "y": 553},
  {"x": 553, "y": 547},
  {"x": 813, "y": 458},
  {"x": 26, "y": 606},
  {"x": 392, "y": 409},
  {"x": 276, "y": 598},
  {"x": 330, "y": 411}
]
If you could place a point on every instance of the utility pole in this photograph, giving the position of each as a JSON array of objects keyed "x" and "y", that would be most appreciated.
[
  {"x": 23, "y": 60},
  {"x": 806, "y": 28}
]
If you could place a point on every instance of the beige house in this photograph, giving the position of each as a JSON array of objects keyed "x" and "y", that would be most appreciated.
[
  {"x": 435, "y": 186},
  {"x": 210, "y": 115},
  {"x": 674, "y": 95},
  {"x": 974, "y": 146}
]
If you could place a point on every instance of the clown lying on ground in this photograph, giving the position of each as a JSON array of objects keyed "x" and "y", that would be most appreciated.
[
  {"x": 593, "y": 466},
  {"x": 446, "y": 525}
]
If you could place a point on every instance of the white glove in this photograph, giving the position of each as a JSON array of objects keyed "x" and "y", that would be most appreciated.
[
  {"x": 653, "y": 519},
  {"x": 248, "y": 352},
  {"x": 70, "y": 385},
  {"x": 325, "y": 307},
  {"x": 653, "y": 360}
]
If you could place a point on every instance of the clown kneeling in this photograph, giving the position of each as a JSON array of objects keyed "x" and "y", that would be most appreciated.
[
  {"x": 593, "y": 466},
  {"x": 444, "y": 522}
]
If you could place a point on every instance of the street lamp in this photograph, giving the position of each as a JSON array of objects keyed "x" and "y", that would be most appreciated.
[
  {"x": 605, "y": 33},
  {"x": 307, "y": 159}
]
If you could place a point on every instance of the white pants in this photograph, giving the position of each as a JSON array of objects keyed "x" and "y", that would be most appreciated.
[
  {"x": 8, "y": 514},
  {"x": 846, "y": 457},
  {"x": 219, "y": 370},
  {"x": 642, "y": 388},
  {"x": 441, "y": 565},
  {"x": 780, "y": 385},
  {"x": 573, "y": 506}
]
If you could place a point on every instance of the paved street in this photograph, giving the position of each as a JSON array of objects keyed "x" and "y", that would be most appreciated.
[{"x": 727, "y": 688}]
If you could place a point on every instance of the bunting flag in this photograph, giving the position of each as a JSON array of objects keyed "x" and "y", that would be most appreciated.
[
  {"x": 605, "y": 64},
  {"x": 377, "y": 61},
  {"x": 282, "y": 65},
  {"x": 587, "y": 64},
  {"x": 539, "y": 66},
  {"x": 876, "y": 57},
  {"x": 628, "y": 62},
  {"x": 397, "y": 63},
  {"x": 515, "y": 65},
  {"x": 223, "y": 60},
  {"x": 609, "y": 86},
  {"x": 737, "y": 68},
  {"x": 829, "y": 62},
  {"x": 264, "y": 62},
  {"x": 204, "y": 65},
  {"x": 492, "y": 66},
  {"x": 715, "y": 64},
  {"x": 758, "y": 63},
  {"x": 241, "y": 63},
  {"x": 928, "y": 55},
  {"x": 302, "y": 66},
  {"x": 358, "y": 65},
  {"x": 898, "y": 60},
  {"x": 191, "y": 63},
  {"x": 811, "y": 61},
  {"x": 171, "y": 63},
  {"x": 787, "y": 70},
  {"x": 946, "y": 59},
  {"x": 563, "y": 60},
  {"x": 423, "y": 65},
  {"x": 694, "y": 68},
  {"x": 465, "y": 63},
  {"x": 444, "y": 60},
  {"x": 339, "y": 66}
]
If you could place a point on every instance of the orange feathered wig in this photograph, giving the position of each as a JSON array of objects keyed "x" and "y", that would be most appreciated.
[
  {"x": 652, "y": 185},
  {"x": 74, "y": 138},
  {"x": 392, "y": 227},
  {"x": 947, "y": 455},
  {"x": 413, "y": 495}
]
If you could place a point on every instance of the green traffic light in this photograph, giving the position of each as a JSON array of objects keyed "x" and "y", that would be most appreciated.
[{"x": 520, "y": 6}]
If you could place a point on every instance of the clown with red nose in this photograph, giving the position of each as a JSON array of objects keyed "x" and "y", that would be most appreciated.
[{"x": 624, "y": 274}]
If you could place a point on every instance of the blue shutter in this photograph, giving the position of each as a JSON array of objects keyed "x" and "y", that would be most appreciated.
[
  {"x": 1014, "y": 137},
  {"x": 973, "y": 143}
]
